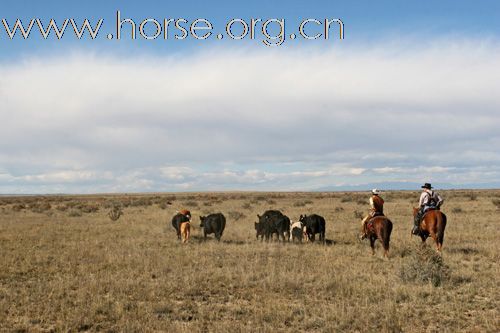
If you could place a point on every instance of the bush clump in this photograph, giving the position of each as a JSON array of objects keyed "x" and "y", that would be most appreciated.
[
  {"x": 235, "y": 215},
  {"x": 496, "y": 202},
  {"x": 424, "y": 265},
  {"x": 74, "y": 212}
]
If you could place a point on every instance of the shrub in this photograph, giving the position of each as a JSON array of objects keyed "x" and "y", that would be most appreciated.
[
  {"x": 88, "y": 208},
  {"x": 74, "y": 212},
  {"x": 191, "y": 204},
  {"x": 164, "y": 204},
  {"x": 457, "y": 210},
  {"x": 362, "y": 202},
  {"x": 18, "y": 207},
  {"x": 115, "y": 212},
  {"x": 235, "y": 215},
  {"x": 472, "y": 196},
  {"x": 496, "y": 202},
  {"x": 358, "y": 214},
  {"x": 62, "y": 208},
  {"x": 339, "y": 209},
  {"x": 246, "y": 205},
  {"x": 141, "y": 202},
  {"x": 424, "y": 265},
  {"x": 302, "y": 203},
  {"x": 347, "y": 198},
  {"x": 40, "y": 207}
]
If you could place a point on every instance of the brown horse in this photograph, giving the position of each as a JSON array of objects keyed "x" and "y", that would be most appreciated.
[
  {"x": 379, "y": 227},
  {"x": 433, "y": 224}
]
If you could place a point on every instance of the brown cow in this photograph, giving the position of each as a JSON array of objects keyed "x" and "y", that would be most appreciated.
[
  {"x": 185, "y": 229},
  {"x": 432, "y": 224}
]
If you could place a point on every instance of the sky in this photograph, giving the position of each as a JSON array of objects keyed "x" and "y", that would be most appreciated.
[{"x": 410, "y": 95}]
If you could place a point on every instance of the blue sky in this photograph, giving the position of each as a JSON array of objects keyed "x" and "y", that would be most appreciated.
[
  {"x": 408, "y": 96},
  {"x": 366, "y": 22}
]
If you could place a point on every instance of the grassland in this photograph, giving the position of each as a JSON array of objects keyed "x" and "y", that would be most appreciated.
[{"x": 65, "y": 266}]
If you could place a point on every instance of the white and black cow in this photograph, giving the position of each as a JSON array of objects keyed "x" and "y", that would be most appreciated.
[
  {"x": 297, "y": 232},
  {"x": 314, "y": 224}
]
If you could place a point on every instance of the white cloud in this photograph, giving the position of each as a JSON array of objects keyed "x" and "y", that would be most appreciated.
[{"x": 274, "y": 119}]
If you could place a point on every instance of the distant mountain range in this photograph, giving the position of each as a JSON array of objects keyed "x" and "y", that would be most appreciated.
[{"x": 400, "y": 186}]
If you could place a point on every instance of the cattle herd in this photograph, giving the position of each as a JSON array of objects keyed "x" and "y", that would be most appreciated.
[{"x": 272, "y": 222}]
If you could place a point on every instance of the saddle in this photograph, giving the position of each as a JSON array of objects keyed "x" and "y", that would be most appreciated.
[
  {"x": 369, "y": 226},
  {"x": 430, "y": 209}
]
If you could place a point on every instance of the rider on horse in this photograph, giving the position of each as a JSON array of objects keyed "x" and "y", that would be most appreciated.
[
  {"x": 376, "y": 209},
  {"x": 429, "y": 199}
]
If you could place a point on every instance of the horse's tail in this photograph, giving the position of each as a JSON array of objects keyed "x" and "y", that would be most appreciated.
[
  {"x": 386, "y": 233},
  {"x": 441, "y": 225}
]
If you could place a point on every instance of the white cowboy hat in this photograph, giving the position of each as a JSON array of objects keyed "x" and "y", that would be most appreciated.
[{"x": 375, "y": 191}]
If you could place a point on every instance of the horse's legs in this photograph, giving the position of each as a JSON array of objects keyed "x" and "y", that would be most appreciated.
[
  {"x": 372, "y": 244},
  {"x": 385, "y": 243},
  {"x": 436, "y": 240},
  {"x": 423, "y": 239}
]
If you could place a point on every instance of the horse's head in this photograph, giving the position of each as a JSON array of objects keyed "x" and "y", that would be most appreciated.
[{"x": 415, "y": 211}]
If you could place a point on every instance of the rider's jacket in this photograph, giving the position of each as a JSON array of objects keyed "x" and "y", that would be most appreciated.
[
  {"x": 430, "y": 198},
  {"x": 377, "y": 204}
]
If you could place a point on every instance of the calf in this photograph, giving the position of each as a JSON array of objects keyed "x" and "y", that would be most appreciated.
[
  {"x": 182, "y": 216},
  {"x": 260, "y": 231},
  {"x": 185, "y": 230},
  {"x": 297, "y": 232},
  {"x": 213, "y": 224},
  {"x": 314, "y": 224}
]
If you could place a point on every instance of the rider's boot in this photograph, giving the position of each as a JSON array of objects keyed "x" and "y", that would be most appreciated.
[
  {"x": 416, "y": 223},
  {"x": 363, "y": 228}
]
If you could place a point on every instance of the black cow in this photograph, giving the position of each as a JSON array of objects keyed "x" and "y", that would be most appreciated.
[
  {"x": 314, "y": 224},
  {"x": 260, "y": 230},
  {"x": 273, "y": 222},
  {"x": 213, "y": 224},
  {"x": 178, "y": 219}
]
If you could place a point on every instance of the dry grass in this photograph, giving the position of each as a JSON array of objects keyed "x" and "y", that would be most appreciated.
[{"x": 66, "y": 271}]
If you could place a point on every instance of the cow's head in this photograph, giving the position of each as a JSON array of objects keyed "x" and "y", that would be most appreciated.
[
  {"x": 202, "y": 219},
  {"x": 262, "y": 219},
  {"x": 302, "y": 218},
  {"x": 259, "y": 228}
]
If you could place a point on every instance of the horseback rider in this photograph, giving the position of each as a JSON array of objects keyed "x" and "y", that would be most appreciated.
[
  {"x": 376, "y": 209},
  {"x": 429, "y": 199}
]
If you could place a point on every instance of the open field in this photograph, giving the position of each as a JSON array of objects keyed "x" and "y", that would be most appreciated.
[{"x": 66, "y": 266}]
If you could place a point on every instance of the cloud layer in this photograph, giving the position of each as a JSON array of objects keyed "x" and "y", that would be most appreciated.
[{"x": 254, "y": 119}]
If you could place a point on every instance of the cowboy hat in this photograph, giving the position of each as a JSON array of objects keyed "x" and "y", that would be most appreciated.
[
  {"x": 375, "y": 191},
  {"x": 427, "y": 186}
]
